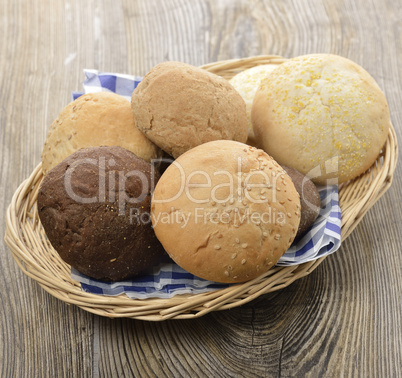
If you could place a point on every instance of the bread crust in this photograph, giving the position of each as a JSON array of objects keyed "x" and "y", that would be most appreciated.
[
  {"x": 247, "y": 82},
  {"x": 95, "y": 119},
  {"x": 179, "y": 106},
  {"x": 94, "y": 228},
  {"x": 225, "y": 211},
  {"x": 323, "y": 115},
  {"x": 310, "y": 200}
]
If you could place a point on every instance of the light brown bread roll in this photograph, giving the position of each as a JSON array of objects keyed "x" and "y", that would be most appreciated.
[
  {"x": 179, "y": 106},
  {"x": 95, "y": 119},
  {"x": 323, "y": 115},
  {"x": 225, "y": 211}
]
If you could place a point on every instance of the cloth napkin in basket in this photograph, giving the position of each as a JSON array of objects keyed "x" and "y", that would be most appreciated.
[{"x": 168, "y": 279}]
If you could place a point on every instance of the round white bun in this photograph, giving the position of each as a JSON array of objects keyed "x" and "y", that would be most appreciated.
[
  {"x": 92, "y": 120},
  {"x": 323, "y": 115},
  {"x": 247, "y": 83},
  {"x": 225, "y": 211}
]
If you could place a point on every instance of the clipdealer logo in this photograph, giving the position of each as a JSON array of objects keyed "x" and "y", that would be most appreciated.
[{"x": 239, "y": 188}]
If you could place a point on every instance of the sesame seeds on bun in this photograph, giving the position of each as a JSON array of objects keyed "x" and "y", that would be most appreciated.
[
  {"x": 225, "y": 211},
  {"x": 92, "y": 120}
]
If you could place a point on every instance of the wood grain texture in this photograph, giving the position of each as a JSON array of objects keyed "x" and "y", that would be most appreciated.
[{"x": 342, "y": 320}]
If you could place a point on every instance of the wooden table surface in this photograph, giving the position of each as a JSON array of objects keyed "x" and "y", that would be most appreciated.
[{"x": 344, "y": 319}]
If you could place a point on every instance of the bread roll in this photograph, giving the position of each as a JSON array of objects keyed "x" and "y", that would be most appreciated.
[
  {"x": 310, "y": 200},
  {"x": 225, "y": 211},
  {"x": 247, "y": 83},
  {"x": 323, "y": 115},
  {"x": 94, "y": 207},
  {"x": 179, "y": 106},
  {"x": 95, "y": 119}
]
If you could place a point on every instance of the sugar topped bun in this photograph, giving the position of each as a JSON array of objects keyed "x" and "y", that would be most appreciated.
[
  {"x": 179, "y": 106},
  {"x": 95, "y": 119},
  {"x": 323, "y": 115},
  {"x": 247, "y": 83},
  {"x": 225, "y": 211}
]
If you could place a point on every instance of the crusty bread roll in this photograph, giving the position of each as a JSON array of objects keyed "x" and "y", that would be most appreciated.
[
  {"x": 179, "y": 106},
  {"x": 310, "y": 200},
  {"x": 323, "y": 115},
  {"x": 225, "y": 211},
  {"x": 95, "y": 119},
  {"x": 94, "y": 207},
  {"x": 247, "y": 83}
]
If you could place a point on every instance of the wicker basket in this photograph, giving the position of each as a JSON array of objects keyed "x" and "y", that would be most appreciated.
[{"x": 38, "y": 260}]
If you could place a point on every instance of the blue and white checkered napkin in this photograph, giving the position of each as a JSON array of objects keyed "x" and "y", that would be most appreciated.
[
  {"x": 95, "y": 81},
  {"x": 323, "y": 237},
  {"x": 168, "y": 279}
]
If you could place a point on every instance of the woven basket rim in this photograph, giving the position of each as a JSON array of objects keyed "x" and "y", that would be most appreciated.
[{"x": 37, "y": 259}]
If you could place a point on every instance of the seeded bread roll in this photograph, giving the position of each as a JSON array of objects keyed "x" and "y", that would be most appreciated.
[
  {"x": 94, "y": 207},
  {"x": 179, "y": 106},
  {"x": 225, "y": 211},
  {"x": 309, "y": 199},
  {"x": 95, "y": 119},
  {"x": 323, "y": 115}
]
